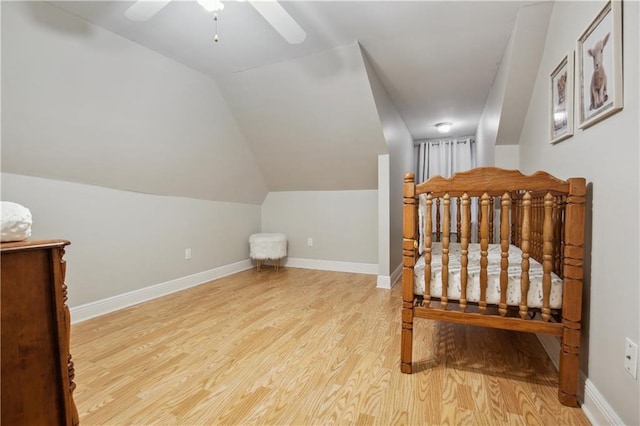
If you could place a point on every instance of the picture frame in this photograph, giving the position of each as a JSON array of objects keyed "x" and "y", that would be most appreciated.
[
  {"x": 599, "y": 57},
  {"x": 561, "y": 83}
]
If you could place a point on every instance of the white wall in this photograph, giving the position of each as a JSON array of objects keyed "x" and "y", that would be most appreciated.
[
  {"x": 507, "y": 156},
  {"x": 529, "y": 34},
  {"x": 85, "y": 105},
  {"x": 489, "y": 123},
  {"x": 311, "y": 121},
  {"x": 81, "y": 104},
  {"x": 358, "y": 226},
  {"x": 342, "y": 224},
  {"x": 506, "y": 104},
  {"x": 607, "y": 156},
  {"x": 124, "y": 241},
  {"x": 384, "y": 219},
  {"x": 400, "y": 161}
]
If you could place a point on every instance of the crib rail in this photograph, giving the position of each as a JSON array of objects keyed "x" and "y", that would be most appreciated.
[
  {"x": 515, "y": 217},
  {"x": 526, "y": 211}
]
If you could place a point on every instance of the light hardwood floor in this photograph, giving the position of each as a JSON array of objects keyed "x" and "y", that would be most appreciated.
[{"x": 303, "y": 347}]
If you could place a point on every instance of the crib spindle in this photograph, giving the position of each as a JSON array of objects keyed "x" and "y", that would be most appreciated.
[
  {"x": 464, "y": 250},
  {"x": 445, "y": 250},
  {"x": 526, "y": 236},
  {"x": 491, "y": 228},
  {"x": 533, "y": 241},
  {"x": 504, "y": 246},
  {"x": 539, "y": 220},
  {"x": 519, "y": 231},
  {"x": 547, "y": 256},
  {"x": 479, "y": 217},
  {"x": 458, "y": 219},
  {"x": 563, "y": 205},
  {"x": 513, "y": 220},
  {"x": 541, "y": 217},
  {"x": 427, "y": 250},
  {"x": 437, "y": 220},
  {"x": 556, "y": 245},
  {"x": 484, "y": 251}
]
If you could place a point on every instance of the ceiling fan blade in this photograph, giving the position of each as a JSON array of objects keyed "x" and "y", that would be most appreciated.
[
  {"x": 145, "y": 9},
  {"x": 280, "y": 20}
]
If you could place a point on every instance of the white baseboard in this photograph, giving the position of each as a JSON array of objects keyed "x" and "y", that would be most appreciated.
[
  {"x": 386, "y": 281},
  {"x": 121, "y": 301},
  {"x": 332, "y": 265},
  {"x": 595, "y": 406}
]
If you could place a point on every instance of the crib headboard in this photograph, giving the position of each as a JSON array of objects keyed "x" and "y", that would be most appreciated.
[{"x": 537, "y": 213}]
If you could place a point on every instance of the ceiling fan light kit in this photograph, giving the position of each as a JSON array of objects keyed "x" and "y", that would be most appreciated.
[{"x": 270, "y": 10}]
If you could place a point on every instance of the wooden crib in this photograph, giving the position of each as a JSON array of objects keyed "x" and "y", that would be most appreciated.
[{"x": 533, "y": 225}]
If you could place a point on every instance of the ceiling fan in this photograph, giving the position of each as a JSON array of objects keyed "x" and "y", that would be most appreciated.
[{"x": 271, "y": 11}]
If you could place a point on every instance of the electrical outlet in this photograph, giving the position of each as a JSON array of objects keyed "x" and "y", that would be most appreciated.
[
  {"x": 187, "y": 254},
  {"x": 310, "y": 242},
  {"x": 631, "y": 357}
]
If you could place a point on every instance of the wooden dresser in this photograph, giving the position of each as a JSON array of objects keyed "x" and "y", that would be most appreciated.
[{"x": 37, "y": 370}]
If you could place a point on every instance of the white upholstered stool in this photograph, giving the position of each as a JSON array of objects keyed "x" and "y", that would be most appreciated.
[{"x": 267, "y": 247}]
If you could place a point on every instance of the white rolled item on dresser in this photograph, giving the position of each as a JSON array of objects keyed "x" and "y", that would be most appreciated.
[{"x": 16, "y": 222}]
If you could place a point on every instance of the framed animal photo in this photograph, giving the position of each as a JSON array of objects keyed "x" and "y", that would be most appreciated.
[
  {"x": 600, "y": 66},
  {"x": 561, "y": 107}
]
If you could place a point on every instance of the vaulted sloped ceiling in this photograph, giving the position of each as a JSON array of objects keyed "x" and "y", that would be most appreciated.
[
  {"x": 82, "y": 104},
  {"x": 311, "y": 121},
  {"x": 85, "y": 105},
  {"x": 527, "y": 43}
]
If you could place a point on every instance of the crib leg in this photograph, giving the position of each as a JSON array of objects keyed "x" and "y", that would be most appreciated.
[
  {"x": 406, "y": 339},
  {"x": 569, "y": 364}
]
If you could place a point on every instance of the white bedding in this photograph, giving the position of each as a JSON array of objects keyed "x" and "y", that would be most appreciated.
[{"x": 534, "y": 297}]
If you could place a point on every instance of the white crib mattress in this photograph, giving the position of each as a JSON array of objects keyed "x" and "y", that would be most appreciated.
[{"x": 534, "y": 297}]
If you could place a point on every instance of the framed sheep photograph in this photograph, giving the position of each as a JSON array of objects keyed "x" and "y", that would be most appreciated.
[
  {"x": 599, "y": 52},
  {"x": 561, "y": 100}
]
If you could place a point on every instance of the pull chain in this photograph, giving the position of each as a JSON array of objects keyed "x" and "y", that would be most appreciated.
[{"x": 215, "y": 18}]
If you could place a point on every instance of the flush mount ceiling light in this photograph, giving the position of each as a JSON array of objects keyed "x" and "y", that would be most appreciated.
[{"x": 443, "y": 127}]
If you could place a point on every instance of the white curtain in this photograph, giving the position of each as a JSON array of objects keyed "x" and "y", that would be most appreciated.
[{"x": 444, "y": 158}]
